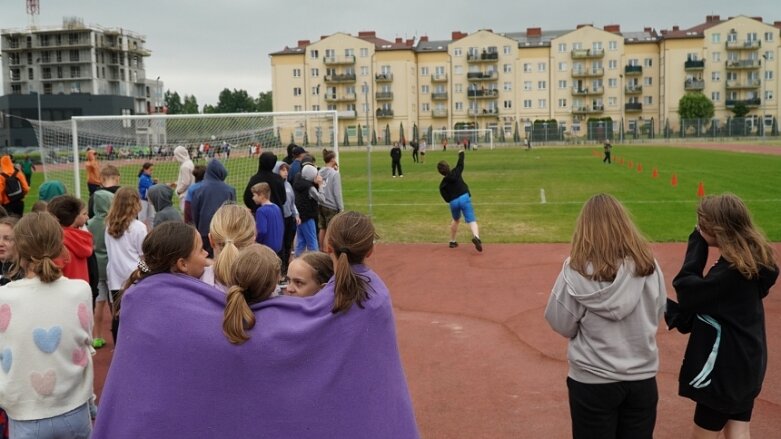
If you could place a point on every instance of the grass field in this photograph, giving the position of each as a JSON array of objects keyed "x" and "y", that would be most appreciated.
[{"x": 506, "y": 189}]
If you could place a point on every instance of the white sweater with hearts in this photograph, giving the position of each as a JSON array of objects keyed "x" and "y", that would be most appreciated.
[{"x": 45, "y": 347}]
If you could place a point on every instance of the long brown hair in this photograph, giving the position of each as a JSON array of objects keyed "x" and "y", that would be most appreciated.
[
  {"x": 124, "y": 209},
  {"x": 254, "y": 276},
  {"x": 351, "y": 237},
  {"x": 232, "y": 228},
  {"x": 38, "y": 239},
  {"x": 728, "y": 220},
  {"x": 321, "y": 264},
  {"x": 604, "y": 237}
]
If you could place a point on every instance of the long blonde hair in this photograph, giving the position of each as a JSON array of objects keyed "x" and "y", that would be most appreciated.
[
  {"x": 124, "y": 209},
  {"x": 728, "y": 220},
  {"x": 232, "y": 228},
  {"x": 254, "y": 276},
  {"x": 351, "y": 236},
  {"x": 38, "y": 239},
  {"x": 604, "y": 237}
]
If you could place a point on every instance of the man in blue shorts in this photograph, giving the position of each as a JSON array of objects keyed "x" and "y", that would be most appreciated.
[{"x": 456, "y": 193}]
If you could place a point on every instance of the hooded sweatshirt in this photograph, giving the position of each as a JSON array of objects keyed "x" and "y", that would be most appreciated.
[
  {"x": 93, "y": 168},
  {"x": 611, "y": 325},
  {"x": 50, "y": 189},
  {"x": 266, "y": 163},
  {"x": 185, "y": 178},
  {"x": 97, "y": 226},
  {"x": 308, "y": 196},
  {"x": 78, "y": 244},
  {"x": 212, "y": 194},
  {"x": 7, "y": 168},
  {"x": 289, "y": 208},
  {"x": 332, "y": 189},
  {"x": 160, "y": 196}
]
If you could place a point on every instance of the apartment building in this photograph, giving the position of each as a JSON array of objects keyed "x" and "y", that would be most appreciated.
[
  {"x": 493, "y": 80},
  {"x": 78, "y": 69}
]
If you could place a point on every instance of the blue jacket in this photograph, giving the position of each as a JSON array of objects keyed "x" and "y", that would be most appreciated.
[
  {"x": 144, "y": 183},
  {"x": 212, "y": 194}
]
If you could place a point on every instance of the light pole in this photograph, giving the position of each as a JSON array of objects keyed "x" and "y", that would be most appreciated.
[
  {"x": 38, "y": 96},
  {"x": 158, "y": 95},
  {"x": 369, "y": 143},
  {"x": 621, "y": 92},
  {"x": 764, "y": 96}
]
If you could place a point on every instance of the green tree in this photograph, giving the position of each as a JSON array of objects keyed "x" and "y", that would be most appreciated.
[
  {"x": 264, "y": 103},
  {"x": 190, "y": 105},
  {"x": 740, "y": 109},
  {"x": 173, "y": 102},
  {"x": 695, "y": 106},
  {"x": 236, "y": 101}
]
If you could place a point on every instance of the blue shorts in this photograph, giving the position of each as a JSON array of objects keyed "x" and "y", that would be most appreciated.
[{"x": 463, "y": 204}]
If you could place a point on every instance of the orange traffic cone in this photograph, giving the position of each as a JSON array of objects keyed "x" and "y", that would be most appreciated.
[
  {"x": 639, "y": 167},
  {"x": 655, "y": 173},
  {"x": 700, "y": 190},
  {"x": 631, "y": 165},
  {"x": 674, "y": 181}
]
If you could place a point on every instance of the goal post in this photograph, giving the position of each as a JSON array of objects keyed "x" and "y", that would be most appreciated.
[
  {"x": 477, "y": 137},
  {"x": 127, "y": 142}
]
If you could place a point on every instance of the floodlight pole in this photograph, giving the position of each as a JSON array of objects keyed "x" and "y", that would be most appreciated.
[
  {"x": 764, "y": 96},
  {"x": 369, "y": 143}
]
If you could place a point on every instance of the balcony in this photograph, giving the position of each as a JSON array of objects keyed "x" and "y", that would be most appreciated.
[
  {"x": 439, "y": 112},
  {"x": 694, "y": 65},
  {"x": 633, "y": 70},
  {"x": 633, "y": 107},
  {"x": 383, "y": 95},
  {"x": 345, "y": 77},
  {"x": 593, "y": 91},
  {"x": 587, "y": 73},
  {"x": 743, "y": 85},
  {"x": 485, "y": 112},
  {"x": 480, "y": 76},
  {"x": 588, "y": 53},
  {"x": 483, "y": 94},
  {"x": 742, "y": 64},
  {"x": 633, "y": 89},
  {"x": 694, "y": 85},
  {"x": 383, "y": 77},
  {"x": 751, "y": 103},
  {"x": 384, "y": 113},
  {"x": 592, "y": 109},
  {"x": 346, "y": 114},
  {"x": 745, "y": 45},
  {"x": 441, "y": 77},
  {"x": 439, "y": 96},
  {"x": 347, "y": 97},
  {"x": 339, "y": 60},
  {"x": 484, "y": 57}
]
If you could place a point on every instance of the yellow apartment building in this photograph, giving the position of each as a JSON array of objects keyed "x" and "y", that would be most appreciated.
[{"x": 501, "y": 81}]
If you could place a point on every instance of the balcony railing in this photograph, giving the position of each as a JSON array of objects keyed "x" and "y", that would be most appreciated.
[
  {"x": 348, "y": 97},
  {"x": 591, "y": 109},
  {"x": 439, "y": 96},
  {"x": 383, "y": 95},
  {"x": 633, "y": 106},
  {"x": 588, "y": 53},
  {"x": 481, "y": 76},
  {"x": 345, "y": 77},
  {"x": 383, "y": 77},
  {"x": 754, "y": 102},
  {"x": 485, "y": 112},
  {"x": 633, "y": 70},
  {"x": 384, "y": 113},
  {"x": 337, "y": 60},
  {"x": 588, "y": 91},
  {"x": 346, "y": 114},
  {"x": 737, "y": 85},
  {"x": 694, "y": 84},
  {"x": 743, "y": 64},
  {"x": 483, "y": 94},
  {"x": 482, "y": 57},
  {"x": 694, "y": 64},
  {"x": 585, "y": 73},
  {"x": 745, "y": 45},
  {"x": 442, "y": 77},
  {"x": 633, "y": 89},
  {"x": 439, "y": 112}
]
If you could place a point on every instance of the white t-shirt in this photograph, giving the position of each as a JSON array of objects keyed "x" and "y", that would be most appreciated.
[{"x": 124, "y": 254}]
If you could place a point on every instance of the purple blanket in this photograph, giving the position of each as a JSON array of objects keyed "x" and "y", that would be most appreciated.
[{"x": 304, "y": 373}]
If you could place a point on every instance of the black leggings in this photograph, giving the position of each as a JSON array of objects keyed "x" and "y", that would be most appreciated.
[{"x": 396, "y": 166}]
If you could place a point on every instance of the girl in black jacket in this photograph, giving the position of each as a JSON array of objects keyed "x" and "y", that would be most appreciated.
[{"x": 726, "y": 357}]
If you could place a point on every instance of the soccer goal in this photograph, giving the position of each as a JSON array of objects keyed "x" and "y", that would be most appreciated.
[
  {"x": 477, "y": 138},
  {"x": 127, "y": 142}
]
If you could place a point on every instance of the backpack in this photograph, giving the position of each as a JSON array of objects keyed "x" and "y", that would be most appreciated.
[{"x": 13, "y": 188}]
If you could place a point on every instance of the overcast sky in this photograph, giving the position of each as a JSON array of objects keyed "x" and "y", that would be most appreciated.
[{"x": 200, "y": 47}]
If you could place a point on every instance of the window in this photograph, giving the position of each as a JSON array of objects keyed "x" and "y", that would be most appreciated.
[
  {"x": 751, "y": 36},
  {"x": 715, "y": 56},
  {"x": 527, "y": 67},
  {"x": 732, "y": 37},
  {"x": 648, "y": 100},
  {"x": 424, "y": 71},
  {"x": 364, "y": 70},
  {"x": 768, "y": 75},
  {"x": 349, "y": 52},
  {"x": 300, "y": 108},
  {"x": 314, "y": 54},
  {"x": 330, "y": 53},
  {"x": 577, "y": 46},
  {"x": 527, "y": 103},
  {"x": 715, "y": 38},
  {"x": 296, "y": 91},
  {"x": 715, "y": 76},
  {"x": 648, "y": 62},
  {"x": 425, "y": 108},
  {"x": 562, "y": 47},
  {"x": 562, "y": 103},
  {"x": 315, "y": 90},
  {"x": 439, "y": 70},
  {"x": 541, "y": 67},
  {"x": 562, "y": 67},
  {"x": 364, "y": 52},
  {"x": 768, "y": 55},
  {"x": 315, "y": 72},
  {"x": 315, "y": 108},
  {"x": 562, "y": 84},
  {"x": 30, "y": 74},
  {"x": 596, "y": 45},
  {"x": 542, "y": 85},
  {"x": 508, "y": 86},
  {"x": 296, "y": 73},
  {"x": 508, "y": 104},
  {"x": 768, "y": 36},
  {"x": 612, "y": 64},
  {"x": 715, "y": 96},
  {"x": 507, "y": 68},
  {"x": 386, "y": 70},
  {"x": 612, "y": 45},
  {"x": 76, "y": 72},
  {"x": 648, "y": 80},
  {"x": 458, "y": 70},
  {"x": 612, "y": 101},
  {"x": 424, "y": 89},
  {"x": 542, "y": 103},
  {"x": 768, "y": 95},
  {"x": 459, "y": 106},
  {"x": 458, "y": 88},
  {"x": 507, "y": 50},
  {"x": 527, "y": 85},
  {"x": 612, "y": 82},
  {"x": 457, "y": 52},
  {"x": 635, "y": 62}
]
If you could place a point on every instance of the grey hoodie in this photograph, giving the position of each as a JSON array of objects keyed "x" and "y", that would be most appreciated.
[
  {"x": 160, "y": 196},
  {"x": 611, "y": 325},
  {"x": 185, "y": 178},
  {"x": 332, "y": 189},
  {"x": 97, "y": 226}
]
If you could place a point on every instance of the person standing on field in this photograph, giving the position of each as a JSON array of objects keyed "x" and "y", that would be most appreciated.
[
  {"x": 608, "y": 149},
  {"x": 395, "y": 154}
]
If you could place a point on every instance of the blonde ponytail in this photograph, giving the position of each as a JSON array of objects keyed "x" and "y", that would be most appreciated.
[{"x": 238, "y": 316}]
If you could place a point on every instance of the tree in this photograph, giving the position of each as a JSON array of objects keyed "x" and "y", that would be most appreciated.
[
  {"x": 740, "y": 109},
  {"x": 360, "y": 135},
  {"x": 190, "y": 105},
  {"x": 516, "y": 133},
  {"x": 346, "y": 138},
  {"x": 401, "y": 133},
  {"x": 236, "y": 101},
  {"x": 173, "y": 102},
  {"x": 695, "y": 106},
  {"x": 265, "y": 102}
]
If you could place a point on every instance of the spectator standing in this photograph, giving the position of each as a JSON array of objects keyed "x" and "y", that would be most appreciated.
[
  {"x": 265, "y": 174},
  {"x": 13, "y": 187},
  {"x": 395, "y": 154},
  {"x": 93, "y": 171},
  {"x": 185, "y": 178},
  {"x": 212, "y": 194}
]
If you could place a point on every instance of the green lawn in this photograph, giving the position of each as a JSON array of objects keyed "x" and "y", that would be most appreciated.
[{"x": 506, "y": 189}]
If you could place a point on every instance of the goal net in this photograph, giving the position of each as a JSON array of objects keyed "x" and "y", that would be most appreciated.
[
  {"x": 476, "y": 138},
  {"x": 127, "y": 142}
]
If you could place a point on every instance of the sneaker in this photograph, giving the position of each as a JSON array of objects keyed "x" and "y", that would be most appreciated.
[
  {"x": 453, "y": 244},
  {"x": 478, "y": 244},
  {"x": 98, "y": 343},
  {"x": 394, "y": 176},
  {"x": 402, "y": 175}
]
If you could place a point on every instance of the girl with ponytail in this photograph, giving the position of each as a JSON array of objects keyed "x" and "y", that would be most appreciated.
[
  {"x": 46, "y": 323},
  {"x": 232, "y": 228},
  {"x": 350, "y": 240}
]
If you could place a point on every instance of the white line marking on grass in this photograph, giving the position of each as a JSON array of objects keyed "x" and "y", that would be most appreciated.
[{"x": 532, "y": 203}]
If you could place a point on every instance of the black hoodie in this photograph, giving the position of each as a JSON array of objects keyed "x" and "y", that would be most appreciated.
[{"x": 266, "y": 174}]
